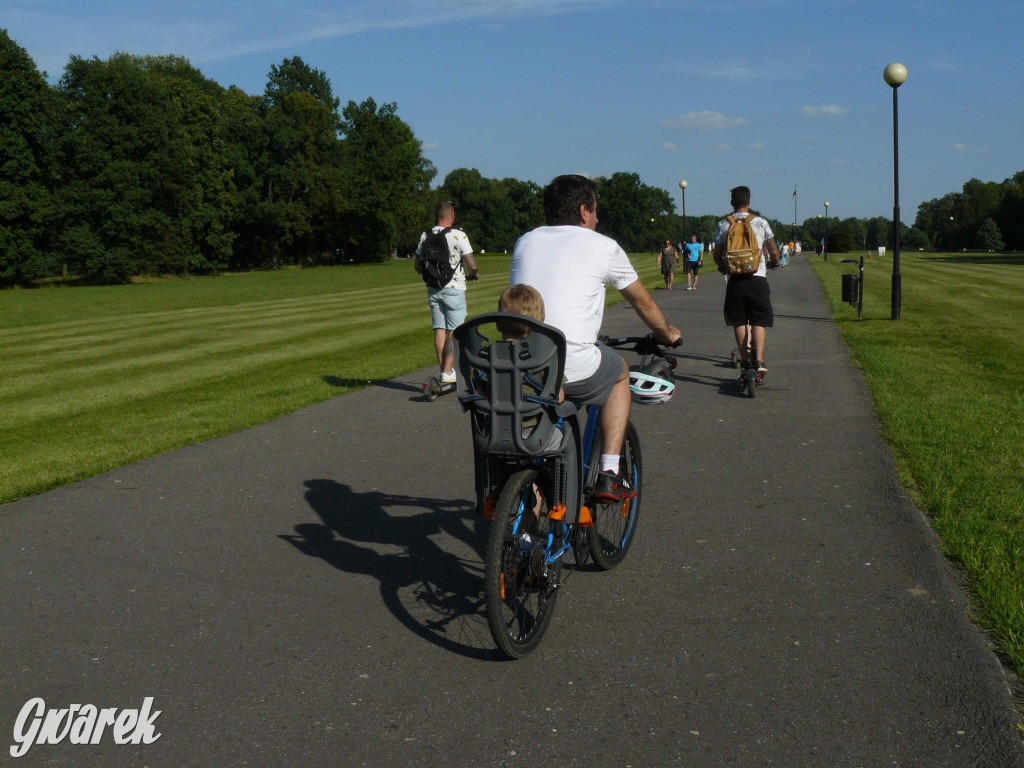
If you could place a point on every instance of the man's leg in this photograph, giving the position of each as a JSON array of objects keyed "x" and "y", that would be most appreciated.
[
  {"x": 615, "y": 414},
  {"x": 741, "y": 341},
  {"x": 445, "y": 348},
  {"x": 759, "y": 333}
]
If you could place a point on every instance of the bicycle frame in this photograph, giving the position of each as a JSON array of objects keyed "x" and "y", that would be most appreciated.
[{"x": 534, "y": 488}]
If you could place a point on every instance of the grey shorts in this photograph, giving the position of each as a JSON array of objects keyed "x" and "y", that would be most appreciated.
[
  {"x": 447, "y": 307},
  {"x": 594, "y": 389}
]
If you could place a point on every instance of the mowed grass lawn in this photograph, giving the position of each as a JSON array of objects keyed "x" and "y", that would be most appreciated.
[
  {"x": 93, "y": 378},
  {"x": 947, "y": 384}
]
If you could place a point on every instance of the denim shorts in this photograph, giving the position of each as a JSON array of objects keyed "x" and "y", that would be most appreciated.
[{"x": 447, "y": 307}]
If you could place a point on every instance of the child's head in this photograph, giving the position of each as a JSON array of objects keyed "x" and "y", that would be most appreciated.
[{"x": 522, "y": 300}]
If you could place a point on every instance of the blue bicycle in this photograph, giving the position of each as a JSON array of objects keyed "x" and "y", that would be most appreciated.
[{"x": 536, "y": 464}]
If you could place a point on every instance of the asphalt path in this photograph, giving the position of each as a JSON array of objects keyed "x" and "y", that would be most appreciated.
[{"x": 309, "y": 592}]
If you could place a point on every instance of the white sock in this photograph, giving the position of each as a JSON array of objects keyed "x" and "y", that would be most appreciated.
[{"x": 609, "y": 462}]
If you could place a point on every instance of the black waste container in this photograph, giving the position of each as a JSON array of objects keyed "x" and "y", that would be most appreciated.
[{"x": 850, "y": 288}]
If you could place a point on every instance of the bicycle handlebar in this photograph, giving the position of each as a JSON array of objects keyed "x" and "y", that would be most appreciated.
[{"x": 642, "y": 345}]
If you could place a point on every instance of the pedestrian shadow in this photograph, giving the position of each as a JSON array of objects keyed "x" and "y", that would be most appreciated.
[
  {"x": 352, "y": 384},
  {"x": 435, "y": 593},
  {"x": 728, "y": 386}
]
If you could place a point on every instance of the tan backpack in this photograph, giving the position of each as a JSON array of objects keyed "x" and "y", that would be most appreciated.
[{"x": 742, "y": 253}]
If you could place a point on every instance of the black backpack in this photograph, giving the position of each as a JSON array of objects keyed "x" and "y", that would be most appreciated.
[{"x": 435, "y": 259}]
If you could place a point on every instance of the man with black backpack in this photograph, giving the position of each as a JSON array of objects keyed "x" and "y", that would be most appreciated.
[
  {"x": 442, "y": 258},
  {"x": 744, "y": 250}
]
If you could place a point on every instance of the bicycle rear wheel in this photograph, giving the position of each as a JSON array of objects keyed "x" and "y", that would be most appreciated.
[
  {"x": 615, "y": 524},
  {"x": 521, "y": 586}
]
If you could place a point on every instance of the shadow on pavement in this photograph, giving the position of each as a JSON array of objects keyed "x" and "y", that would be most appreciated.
[{"x": 434, "y": 593}]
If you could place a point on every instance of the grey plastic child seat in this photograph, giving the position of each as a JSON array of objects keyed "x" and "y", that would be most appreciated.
[{"x": 511, "y": 387}]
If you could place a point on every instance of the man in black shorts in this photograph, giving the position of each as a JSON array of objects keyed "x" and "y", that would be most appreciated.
[{"x": 747, "y": 297}]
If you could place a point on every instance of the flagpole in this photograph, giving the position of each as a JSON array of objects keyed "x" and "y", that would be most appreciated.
[{"x": 794, "y": 214}]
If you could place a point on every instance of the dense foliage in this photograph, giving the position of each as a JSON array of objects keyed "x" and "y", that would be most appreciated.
[
  {"x": 983, "y": 215},
  {"x": 140, "y": 165}
]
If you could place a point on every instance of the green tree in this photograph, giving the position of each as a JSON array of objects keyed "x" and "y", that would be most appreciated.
[
  {"x": 915, "y": 239},
  {"x": 202, "y": 208},
  {"x": 841, "y": 238},
  {"x": 387, "y": 178},
  {"x": 1009, "y": 217},
  {"x": 26, "y": 114},
  {"x": 878, "y": 231},
  {"x": 492, "y": 212},
  {"x": 245, "y": 142},
  {"x": 988, "y": 237},
  {"x": 118, "y": 138},
  {"x": 302, "y": 190},
  {"x": 632, "y": 212}
]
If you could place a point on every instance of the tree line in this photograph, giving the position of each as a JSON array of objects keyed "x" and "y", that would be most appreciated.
[{"x": 140, "y": 165}]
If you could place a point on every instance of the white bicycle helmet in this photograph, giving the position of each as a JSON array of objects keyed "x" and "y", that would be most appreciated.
[{"x": 648, "y": 389}]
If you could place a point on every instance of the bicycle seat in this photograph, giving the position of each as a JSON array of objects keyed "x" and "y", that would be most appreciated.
[{"x": 511, "y": 387}]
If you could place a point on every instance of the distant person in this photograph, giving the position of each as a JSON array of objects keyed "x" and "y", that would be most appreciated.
[
  {"x": 446, "y": 283},
  {"x": 797, "y": 248},
  {"x": 785, "y": 254},
  {"x": 668, "y": 260},
  {"x": 747, "y": 297},
  {"x": 694, "y": 260},
  {"x": 570, "y": 265}
]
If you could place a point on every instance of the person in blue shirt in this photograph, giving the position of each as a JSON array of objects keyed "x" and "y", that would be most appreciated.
[{"x": 694, "y": 260}]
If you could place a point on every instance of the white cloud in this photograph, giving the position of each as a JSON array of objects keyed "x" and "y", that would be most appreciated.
[
  {"x": 668, "y": 146},
  {"x": 724, "y": 148},
  {"x": 966, "y": 148},
  {"x": 829, "y": 110},
  {"x": 431, "y": 145},
  {"x": 704, "y": 121},
  {"x": 758, "y": 146}
]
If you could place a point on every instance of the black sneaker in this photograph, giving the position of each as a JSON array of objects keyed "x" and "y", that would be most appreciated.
[{"x": 613, "y": 487}]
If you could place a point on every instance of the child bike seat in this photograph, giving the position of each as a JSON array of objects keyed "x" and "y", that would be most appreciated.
[{"x": 511, "y": 387}]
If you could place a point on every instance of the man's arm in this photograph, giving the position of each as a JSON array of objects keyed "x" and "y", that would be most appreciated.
[
  {"x": 650, "y": 313},
  {"x": 773, "y": 252},
  {"x": 719, "y": 256},
  {"x": 472, "y": 273}
]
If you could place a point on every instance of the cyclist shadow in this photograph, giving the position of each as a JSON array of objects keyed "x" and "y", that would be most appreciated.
[{"x": 435, "y": 593}]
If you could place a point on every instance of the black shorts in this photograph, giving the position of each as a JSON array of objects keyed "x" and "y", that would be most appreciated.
[
  {"x": 693, "y": 267},
  {"x": 748, "y": 300}
]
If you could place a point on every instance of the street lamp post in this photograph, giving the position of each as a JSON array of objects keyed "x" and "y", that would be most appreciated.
[
  {"x": 682, "y": 186},
  {"x": 824, "y": 249},
  {"x": 895, "y": 75},
  {"x": 949, "y": 237}
]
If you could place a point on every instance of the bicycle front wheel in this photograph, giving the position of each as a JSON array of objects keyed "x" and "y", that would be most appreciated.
[
  {"x": 615, "y": 524},
  {"x": 521, "y": 585}
]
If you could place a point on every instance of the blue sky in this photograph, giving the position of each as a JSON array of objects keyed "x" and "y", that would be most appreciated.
[{"x": 768, "y": 93}]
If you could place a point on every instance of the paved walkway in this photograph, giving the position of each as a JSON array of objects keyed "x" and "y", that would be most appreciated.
[{"x": 308, "y": 592}]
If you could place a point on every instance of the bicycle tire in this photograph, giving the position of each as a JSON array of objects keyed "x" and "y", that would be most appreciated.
[
  {"x": 521, "y": 587},
  {"x": 751, "y": 383},
  {"x": 614, "y": 527}
]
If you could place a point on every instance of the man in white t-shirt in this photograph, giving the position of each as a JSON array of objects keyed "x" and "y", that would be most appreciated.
[
  {"x": 747, "y": 297},
  {"x": 570, "y": 264},
  {"x": 448, "y": 303}
]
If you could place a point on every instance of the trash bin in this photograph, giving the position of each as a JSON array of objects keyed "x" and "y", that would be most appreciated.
[{"x": 850, "y": 288}]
